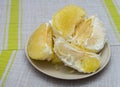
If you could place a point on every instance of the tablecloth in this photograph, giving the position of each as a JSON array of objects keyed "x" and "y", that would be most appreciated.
[{"x": 19, "y": 18}]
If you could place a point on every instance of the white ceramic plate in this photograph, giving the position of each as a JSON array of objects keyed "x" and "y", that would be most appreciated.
[{"x": 64, "y": 72}]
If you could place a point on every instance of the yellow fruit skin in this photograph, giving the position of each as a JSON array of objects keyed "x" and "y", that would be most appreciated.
[
  {"x": 65, "y": 20},
  {"x": 90, "y": 64},
  {"x": 40, "y": 43}
]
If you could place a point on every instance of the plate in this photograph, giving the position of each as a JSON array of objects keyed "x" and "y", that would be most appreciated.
[{"x": 64, "y": 72}]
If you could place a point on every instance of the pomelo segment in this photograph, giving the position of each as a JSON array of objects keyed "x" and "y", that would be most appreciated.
[
  {"x": 78, "y": 59},
  {"x": 65, "y": 20},
  {"x": 90, "y": 64},
  {"x": 40, "y": 43}
]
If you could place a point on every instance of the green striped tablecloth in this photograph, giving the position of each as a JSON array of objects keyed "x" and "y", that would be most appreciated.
[{"x": 18, "y": 18}]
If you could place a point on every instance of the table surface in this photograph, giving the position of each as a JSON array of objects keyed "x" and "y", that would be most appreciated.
[{"x": 19, "y": 18}]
